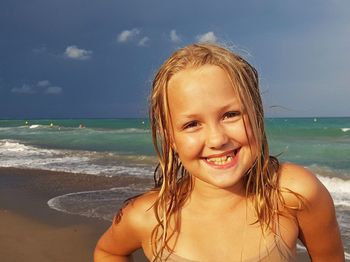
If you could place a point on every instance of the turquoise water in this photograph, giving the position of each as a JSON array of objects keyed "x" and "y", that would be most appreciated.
[
  {"x": 115, "y": 147},
  {"x": 312, "y": 141},
  {"x": 323, "y": 142},
  {"x": 125, "y": 136}
]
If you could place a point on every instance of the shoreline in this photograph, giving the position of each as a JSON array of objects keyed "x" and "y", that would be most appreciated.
[{"x": 31, "y": 231}]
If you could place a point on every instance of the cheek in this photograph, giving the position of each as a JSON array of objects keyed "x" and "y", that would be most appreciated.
[
  {"x": 244, "y": 135},
  {"x": 187, "y": 146}
]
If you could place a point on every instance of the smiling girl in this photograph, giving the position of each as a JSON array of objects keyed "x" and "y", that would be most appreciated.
[{"x": 219, "y": 195}]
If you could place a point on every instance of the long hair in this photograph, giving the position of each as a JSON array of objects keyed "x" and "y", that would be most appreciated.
[{"x": 172, "y": 179}]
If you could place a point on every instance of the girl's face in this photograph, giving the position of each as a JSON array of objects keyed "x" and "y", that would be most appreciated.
[{"x": 207, "y": 127}]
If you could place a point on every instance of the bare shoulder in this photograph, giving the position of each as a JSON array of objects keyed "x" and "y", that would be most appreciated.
[
  {"x": 138, "y": 212},
  {"x": 131, "y": 227},
  {"x": 301, "y": 181},
  {"x": 315, "y": 212}
]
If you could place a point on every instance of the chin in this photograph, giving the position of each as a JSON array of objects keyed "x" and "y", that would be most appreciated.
[{"x": 225, "y": 181}]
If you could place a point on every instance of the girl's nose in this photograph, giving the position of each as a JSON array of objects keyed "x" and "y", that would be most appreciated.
[{"x": 216, "y": 137}]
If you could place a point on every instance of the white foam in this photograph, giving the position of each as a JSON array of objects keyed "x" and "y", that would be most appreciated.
[
  {"x": 345, "y": 129},
  {"x": 301, "y": 247},
  {"x": 13, "y": 148},
  {"x": 98, "y": 203},
  {"x": 131, "y": 130},
  {"x": 347, "y": 256},
  {"x": 16, "y": 154},
  {"x": 338, "y": 188}
]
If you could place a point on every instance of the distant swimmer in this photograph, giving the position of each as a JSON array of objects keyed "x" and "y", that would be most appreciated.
[{"x": 81, "y": 126}]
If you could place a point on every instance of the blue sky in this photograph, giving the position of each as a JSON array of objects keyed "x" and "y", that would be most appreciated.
[{"x": 75, "y": 58}]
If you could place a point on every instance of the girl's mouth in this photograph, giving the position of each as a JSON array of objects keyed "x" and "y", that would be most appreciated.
[{"x": 224, "y": 160}]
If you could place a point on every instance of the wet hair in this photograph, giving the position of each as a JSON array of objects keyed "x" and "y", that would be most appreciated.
[{"x": 171, "y": 178}]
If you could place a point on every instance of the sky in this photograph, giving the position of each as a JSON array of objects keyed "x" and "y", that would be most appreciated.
[{"x": 97, "y": 58}]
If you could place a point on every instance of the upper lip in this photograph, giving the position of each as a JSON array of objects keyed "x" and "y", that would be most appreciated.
[{"x": 226, "y": 153}]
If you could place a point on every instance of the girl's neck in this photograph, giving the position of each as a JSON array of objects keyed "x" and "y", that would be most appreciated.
[{"x": 209, "y": 198}]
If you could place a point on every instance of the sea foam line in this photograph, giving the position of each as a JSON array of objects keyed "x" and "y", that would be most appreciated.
[
  {"x": 18, "y": 155},
  {"x": 97, "y": 203}
]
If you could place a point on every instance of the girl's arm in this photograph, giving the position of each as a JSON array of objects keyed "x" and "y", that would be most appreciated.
[
  {"x": 126, "y": 234},
  {"x": 318, "y": 227}
]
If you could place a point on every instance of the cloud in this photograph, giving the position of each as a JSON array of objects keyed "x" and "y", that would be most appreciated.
[
  {"x": 42, "y": 87},
  {"x": 127, "y": 35},
  {"x": 144, "y": 41},
  {"x": 207, "y": 37},
  {"x": 74, "y": 52},
  {"x": 43, "y": 83},
  {"x": 53, "y": 90},
  {"x": 25, "y": 89},
  {"x": 174, "y": 37},
  {"x": 134, "y": 36}
]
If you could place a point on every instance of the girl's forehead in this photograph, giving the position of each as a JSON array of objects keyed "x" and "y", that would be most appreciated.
[
  {"x": 206, "y": 78},
  {"x": 194, "y": 91},
  {"x": 195, "y": 69},
  {"x": 195, "y": 75}
]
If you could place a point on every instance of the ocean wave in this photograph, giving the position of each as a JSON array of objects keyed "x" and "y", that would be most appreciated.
[
  {"x": 132, "y": 130},
  {"x": 345, "y": 129},
  {"x": 11, "y": 148},
  {"x": 338, "y": 188},
  {"x": 16, "y": 154},
  {"x": 34, "y": 126},
  {"x": 37, "y": 126}
]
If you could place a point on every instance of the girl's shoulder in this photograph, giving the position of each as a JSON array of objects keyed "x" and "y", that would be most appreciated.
[
  {"x": 131, "y": 227},
  {"x": 300, "y": 184},
  {"x": 314, "y": 211},
  {"x": 139, "y": 211}
]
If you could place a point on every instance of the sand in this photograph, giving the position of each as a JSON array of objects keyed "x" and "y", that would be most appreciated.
[{"x": 31, "y": 231}]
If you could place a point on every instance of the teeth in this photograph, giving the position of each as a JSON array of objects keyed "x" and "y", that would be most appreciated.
[
  {"x": 220, "y": 160},
  {"x": 224, "y": 159}
]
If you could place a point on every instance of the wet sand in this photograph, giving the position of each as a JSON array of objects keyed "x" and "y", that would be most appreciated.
[{"x": 31, "y": 231}]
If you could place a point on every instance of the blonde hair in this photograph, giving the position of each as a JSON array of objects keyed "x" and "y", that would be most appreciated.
[{"x": 172, "y": 179}]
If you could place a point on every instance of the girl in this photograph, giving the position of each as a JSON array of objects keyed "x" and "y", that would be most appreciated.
[{"x": 219, "y": 196}]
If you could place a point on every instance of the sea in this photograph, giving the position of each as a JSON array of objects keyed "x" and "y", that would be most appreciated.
[{"x": 117, "y": 147}]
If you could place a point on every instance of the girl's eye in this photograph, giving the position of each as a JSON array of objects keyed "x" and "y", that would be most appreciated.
[
  {"x": 191, "y": 124},
  {"x": 231, "y": 114}
]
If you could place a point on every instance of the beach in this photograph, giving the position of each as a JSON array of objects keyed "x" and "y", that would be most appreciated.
[{"x": 31, "y": 231}]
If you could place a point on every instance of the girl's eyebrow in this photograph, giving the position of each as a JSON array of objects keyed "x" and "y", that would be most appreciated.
[{"x": 234, "y": 104}]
